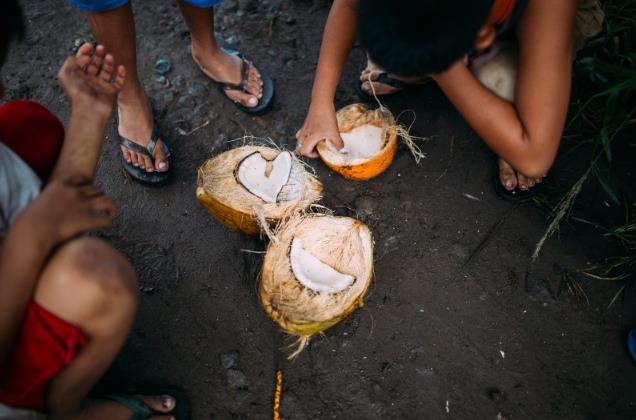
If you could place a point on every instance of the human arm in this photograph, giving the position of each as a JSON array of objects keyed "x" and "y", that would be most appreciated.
[
  {"x": 525, "y": 134},
  {"x": 337, "y": 42}
]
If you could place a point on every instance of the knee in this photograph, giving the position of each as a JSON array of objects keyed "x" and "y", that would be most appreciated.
[{"x": 88, "y": 279}]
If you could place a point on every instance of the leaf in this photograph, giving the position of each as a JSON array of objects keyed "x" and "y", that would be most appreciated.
[{"x": 606, "y": 186}]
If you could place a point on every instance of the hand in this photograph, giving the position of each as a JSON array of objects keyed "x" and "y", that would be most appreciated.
[
  {"x": 90, "y": 81},
  {"x": 320, "y": 124},
  {"x": 66, "y": 209}
]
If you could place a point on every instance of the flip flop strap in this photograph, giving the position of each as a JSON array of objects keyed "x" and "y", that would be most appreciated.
[
  {"x": 139, "y": 408},
  {"x": 149, "y": 150},
  {"x": 245, "y": 74},
  {"x": 387, "y": 80}
]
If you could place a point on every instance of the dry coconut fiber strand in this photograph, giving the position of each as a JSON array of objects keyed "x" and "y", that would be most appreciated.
[
  {"x": 316, "y": 273},
  {"x": 251, "y": 188},
  {"x": 370, "y": 139}
]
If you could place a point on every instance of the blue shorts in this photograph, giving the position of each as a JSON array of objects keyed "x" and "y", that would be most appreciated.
[{"x": 106, "y": 5}]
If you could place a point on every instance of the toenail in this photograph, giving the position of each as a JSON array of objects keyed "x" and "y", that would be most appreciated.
[
  {"x": 252, "y": 101},
  {"x": 166, "y": 401},
  {"x": 135, "y": 164},
  {"x": 162, "y": 165},
  {"x": 128, "y": 160},
  {"x": 509, "y": 184}
]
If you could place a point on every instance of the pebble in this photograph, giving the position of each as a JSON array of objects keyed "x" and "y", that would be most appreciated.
[
  {"x": 496, "y": 395},
  {"x": 198, "y": 90},
  {"x": 236, "y": 379},
  {"x": 161, "y": 81},
  {"x": 178, "y": 80},
  {"x": 185, "y": 101},
  {"x": 168, "y": 96},
  {"x": 233, "y": 40},
  {"x": 162, "y": 66},
  {"x": 229, "y": 359},
  {"x": 425, "y": 371},
  {"x": 290, "y": 20}
]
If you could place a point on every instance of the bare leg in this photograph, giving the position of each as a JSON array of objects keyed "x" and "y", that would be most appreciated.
[
  {"x": 213, "y": 61},
  {"x": 115, "y": 29},
  {"x": 103, "y": 306}
]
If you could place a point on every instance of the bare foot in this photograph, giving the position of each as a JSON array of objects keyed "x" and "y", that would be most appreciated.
[
  {"x": 136, "y": 124},
  {"x": 370, "y": 74},
  {"x": 510, "y": 178},
  {"x": 225, "y": 68},
  {"x": 110, "y": 409}
]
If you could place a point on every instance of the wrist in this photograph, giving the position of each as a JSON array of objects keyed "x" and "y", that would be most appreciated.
[
  {"x": 27, "y": 228},
  {"x": 85, "y": 111}
]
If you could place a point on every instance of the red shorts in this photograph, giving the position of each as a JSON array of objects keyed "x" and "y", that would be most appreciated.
[
  {"x": 33, "y": 133},
  {"x": 45, "y": 345}
]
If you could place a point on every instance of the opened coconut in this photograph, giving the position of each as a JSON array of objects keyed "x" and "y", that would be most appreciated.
[
  {"x": 316, "y": 273},
  {"x": 251, "y": 188},
  {"x": 370, "y": 142}
]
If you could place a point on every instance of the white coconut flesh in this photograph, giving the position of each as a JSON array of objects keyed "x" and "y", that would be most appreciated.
[
  {"x": 363, "y": 142},
  {"x": 265, "y": 179},
  {"x": 315, "y": 274}
]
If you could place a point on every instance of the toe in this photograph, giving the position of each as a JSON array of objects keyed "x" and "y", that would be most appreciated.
[
  {"x": 161, "y": 160},
  {"x": 507, "y": 176},
  {"x": 126, "y": 154},
  {"x": 523, "y": 182},
  {"x": 148, "y": 163},
  {"x": 159, "y": 403},
  {"x": 254, "y": 87},
  {"x": 134, "y": 158},
  {"x": 244, "y": 99}
]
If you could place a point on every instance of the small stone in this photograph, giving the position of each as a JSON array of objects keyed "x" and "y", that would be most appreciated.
[
  {"x": 425, "y": 371},
  {"x": 78, "y": 42},
  {"x": 229, "y": 360},
  {"x": 198, "y": 90},
  {"x": 496, "y": 395},
  {"x": 168, "y": 96},
  {"x": 236, "y": 379},
  {"x": 290, "y": 20},
  {"x": 186, "y": 101},
  {"x": 162, "y": 66},
  {"x": 233, "y": 40},
  {"x": 161, "y": 80},
  {"x": 178, "y": 80}
]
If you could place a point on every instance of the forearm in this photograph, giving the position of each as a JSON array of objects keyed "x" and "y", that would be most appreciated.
[
  {"x": 337, "y": 42},
  {"x": 82, "y": 145},
  {"x": 498, "y": 122},
  {"x": 22, "y": 257}
]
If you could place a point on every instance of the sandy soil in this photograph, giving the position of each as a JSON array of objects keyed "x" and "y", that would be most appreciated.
[{"x": 456, "y": 325}]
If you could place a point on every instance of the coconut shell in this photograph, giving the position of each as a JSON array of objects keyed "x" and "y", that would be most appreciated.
[
  {"x": 225, "y": 198},
  {"x": 353, "y": 116},
  {"x": 343, "y": 243}
]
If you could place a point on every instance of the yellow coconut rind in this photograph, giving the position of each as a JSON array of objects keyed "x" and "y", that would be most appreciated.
[
  {"x": 353, "y": 116},
  {"x": 221, "y": 195},
  {"x": 343, "y": 243}
]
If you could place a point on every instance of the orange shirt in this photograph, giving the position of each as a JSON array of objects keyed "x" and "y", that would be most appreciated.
[{"x": 501, "y": 10}]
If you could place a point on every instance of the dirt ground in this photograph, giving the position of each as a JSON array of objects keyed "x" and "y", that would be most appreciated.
[{"x": 457, "y": 323}]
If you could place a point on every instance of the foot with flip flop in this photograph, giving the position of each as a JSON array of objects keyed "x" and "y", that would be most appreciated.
[
  {"x": 509, "y": 184},
  {"x": 146, "y": 156}
]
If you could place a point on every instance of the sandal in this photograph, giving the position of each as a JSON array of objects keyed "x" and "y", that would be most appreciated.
[
  {"x": 631, "y": 344},
  {"x": 139, "y": 174},
  {"x": 141, "y": 411},
  {"x": 517, "y": 195},
  {"x": 384, "y": 78},
  {"x": 268, "y": 84}
]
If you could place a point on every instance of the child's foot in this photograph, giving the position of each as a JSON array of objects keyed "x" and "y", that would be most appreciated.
[
  {"x": 136, "y": 124},
  {"x": 225, "y": 68},
  {"x": 511, "y": 179},
  {"x": 385, "y": 83},
  {"x": 161, "y": 405}
]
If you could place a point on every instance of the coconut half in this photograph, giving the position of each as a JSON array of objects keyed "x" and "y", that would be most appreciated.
[
  {"x": 370, "y": 142},
  {"x": 316, "y": 273},
  {"x": 251, "y": 188}
]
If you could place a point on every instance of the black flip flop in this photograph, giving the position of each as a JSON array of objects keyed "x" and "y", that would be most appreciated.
[
  {"x": 141, "y": 411},
  {"x": 268, "y": 84},
  {"x": 517, "y": 195},
  {"x": 385, "y": 79},
  {"x": 139, "y": 174}
]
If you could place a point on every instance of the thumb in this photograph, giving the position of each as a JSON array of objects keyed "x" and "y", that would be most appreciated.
[{"x": 337, "y": 141}]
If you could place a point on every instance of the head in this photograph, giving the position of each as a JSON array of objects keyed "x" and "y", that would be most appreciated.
[
  {"x": 11, "y": 28},
  {"x": 411, "y": 38}
]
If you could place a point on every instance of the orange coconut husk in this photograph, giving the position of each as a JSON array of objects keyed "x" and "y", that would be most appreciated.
[
  {"x": 225, "y": 198},
  {"x": 353, "y": 116}
]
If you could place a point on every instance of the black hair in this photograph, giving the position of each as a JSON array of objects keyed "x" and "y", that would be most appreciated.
[
  {"x": 413, "y": 37},
  {"x": 11, "y": 25}
]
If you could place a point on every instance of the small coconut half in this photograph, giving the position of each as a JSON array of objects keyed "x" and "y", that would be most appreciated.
[
  {"x": 251, "y": 188},
  {"x": 316, "y": 273},
  {"x": 370, "y": 142}
]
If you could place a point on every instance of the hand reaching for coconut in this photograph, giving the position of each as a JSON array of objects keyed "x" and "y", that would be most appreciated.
[{"x": 320, "y": 124}]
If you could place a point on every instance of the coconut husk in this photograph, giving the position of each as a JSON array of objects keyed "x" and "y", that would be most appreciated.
[
  {"x": 225, "y": 198},
  {"x": 343, "y": 243}
]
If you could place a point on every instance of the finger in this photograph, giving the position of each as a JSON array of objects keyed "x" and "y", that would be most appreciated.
[
  {"x": 77, "y": 180},
  {"x": 90, "y": 191},
  {"x": 103, "y": 204},
  {"x": 107, "y": 68},
  {"x": 307, "y": 149},
  {"x": 336, "y": 140},
  {"x": 96, "y": 61}
]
